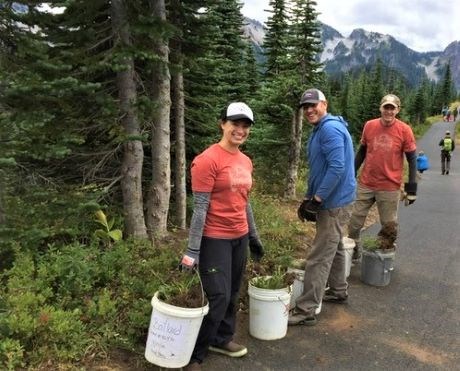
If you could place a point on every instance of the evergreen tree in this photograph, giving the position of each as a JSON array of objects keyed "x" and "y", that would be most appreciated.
[
  {"x": 417, "y": 109},
  {"x": 305, "y": 72},
  {"x": 51, "y": 110},
  {"x": 218, "y": 68},
  {"x": 306, "y": 45},
  {"x": 276, "y": 42},
  {"x": 376, "y": 89},
  {"x": 445, "y": 92}
]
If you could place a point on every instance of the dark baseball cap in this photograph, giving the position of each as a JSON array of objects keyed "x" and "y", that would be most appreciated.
[{"x": 312, "y": 96}]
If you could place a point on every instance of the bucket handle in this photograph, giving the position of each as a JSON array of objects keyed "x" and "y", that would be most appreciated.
[
  {"x": 287, "y": 306},
  {"x": 202, "y": 289}
]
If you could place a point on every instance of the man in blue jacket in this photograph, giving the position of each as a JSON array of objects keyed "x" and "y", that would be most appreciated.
[{"x": 330, "y": 194}]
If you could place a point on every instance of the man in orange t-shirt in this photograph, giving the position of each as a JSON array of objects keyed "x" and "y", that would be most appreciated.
[{"x": 384, "y": 142}]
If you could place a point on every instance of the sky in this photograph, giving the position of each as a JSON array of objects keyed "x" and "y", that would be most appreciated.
[{"x": 422, "y": 25}]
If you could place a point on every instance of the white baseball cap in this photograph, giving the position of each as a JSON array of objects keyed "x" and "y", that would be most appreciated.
[{"x": 238, "y": 111}]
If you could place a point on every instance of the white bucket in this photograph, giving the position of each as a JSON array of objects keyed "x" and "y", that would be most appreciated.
[
  {"x": 172, "y": 333},
  {"x": 297, "y": 287},
  {"x": 348, "y": 246},
  {"x": 268, "y": 312}
]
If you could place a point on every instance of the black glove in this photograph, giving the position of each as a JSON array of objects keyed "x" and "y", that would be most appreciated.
[
  {"x": 256, "y": 249},
  {"x": 308, "y": 210},
  {"x": 411, "y": 193}
]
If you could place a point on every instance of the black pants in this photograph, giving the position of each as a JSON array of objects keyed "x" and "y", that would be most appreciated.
[
  {"x": 222, "y": 266},
  {"x": 445, "y": 161}
]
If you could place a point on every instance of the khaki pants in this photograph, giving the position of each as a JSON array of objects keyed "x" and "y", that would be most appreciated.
[
  {"x": 387, "y": 206},
  {"x": 326, "y": 261}
]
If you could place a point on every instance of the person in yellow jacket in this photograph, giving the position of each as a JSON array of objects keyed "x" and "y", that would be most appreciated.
[{"x": 447, "y": 145}]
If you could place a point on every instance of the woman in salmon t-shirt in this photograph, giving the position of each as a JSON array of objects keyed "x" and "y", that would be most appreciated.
[{"x": 221, "y": 228}]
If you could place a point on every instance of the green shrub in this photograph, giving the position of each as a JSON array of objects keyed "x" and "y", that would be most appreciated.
[
  {"x": 71, "y": 271},
  {"x": 60, "y": 335},
  {"x": 11, "y": 354}
]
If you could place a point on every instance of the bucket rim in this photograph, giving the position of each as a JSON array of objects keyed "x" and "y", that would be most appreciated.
[
  {"x": 176, "y": 311},
  {"x": 379, "y": 252},
  {"x": 287, "y": 289}
]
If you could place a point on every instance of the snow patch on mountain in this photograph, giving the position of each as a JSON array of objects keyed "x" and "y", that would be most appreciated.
[
  {"x": 329, "y": 47},
  {"x": 431, "y": 68}
]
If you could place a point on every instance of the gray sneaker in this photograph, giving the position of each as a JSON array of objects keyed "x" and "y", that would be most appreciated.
[
  {"x": 331, "y": 297},
  {"x": 230, "y": 349},
  {"x": 301, "y": 319}
]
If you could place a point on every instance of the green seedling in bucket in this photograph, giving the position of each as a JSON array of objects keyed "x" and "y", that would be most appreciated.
[
  {"x": 278, "y": 280},
  {"x": 183, "y": 290},
  {"x": 370, "y": 243}
]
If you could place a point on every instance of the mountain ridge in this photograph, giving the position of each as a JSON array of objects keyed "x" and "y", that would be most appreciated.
[{"x": 362, "y": 48}]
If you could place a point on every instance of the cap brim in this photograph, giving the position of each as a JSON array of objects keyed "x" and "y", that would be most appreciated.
[
  {"x": 389, "y": 103},
  {"x": 313, "y": 101},
  {"x": 239, "y": 117}
]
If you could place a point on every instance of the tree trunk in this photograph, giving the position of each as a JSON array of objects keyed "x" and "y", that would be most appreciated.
[
  {"x": 294, "y": 155},
  {"x": 179, "y": 166},
  {"x": 2, "y": 190},
  {"x": 160, "y": 188},
  {"x": 133, "y": 153}
]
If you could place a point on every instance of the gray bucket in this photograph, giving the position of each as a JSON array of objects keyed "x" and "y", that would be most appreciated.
[{"x": 376, "y": 267}]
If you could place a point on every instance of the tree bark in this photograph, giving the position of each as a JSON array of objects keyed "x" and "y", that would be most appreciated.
[
  {"x": 2, "y": 210},
  {"x": 294, "y": 155},
  {"x": 178, "y": 104},
  {"x": 133, "y": 152},
  {"x": 160, "y": 188},
  {"x": 180, "y": 161}
]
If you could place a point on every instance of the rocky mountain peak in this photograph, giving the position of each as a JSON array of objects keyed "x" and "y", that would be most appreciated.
[{"x": 361, "y": 48}]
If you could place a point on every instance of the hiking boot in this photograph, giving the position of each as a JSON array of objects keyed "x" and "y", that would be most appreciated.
[
  {"x": 297, "y": 318},
  {"x": 331, "y": 297},
  {"x": 230, "y": 349},
  {"x": 194, "y": 366}
]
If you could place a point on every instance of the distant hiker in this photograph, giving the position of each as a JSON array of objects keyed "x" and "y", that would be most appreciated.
[
  {"x": 447, "y": 145},
  {"x": 327, "y": 203},
  {"x": 384, "y": 143},
  {"x": 444, "y": 113},
  {"x": 221, "y": 228},
  {"x": 422, "y": 162}
]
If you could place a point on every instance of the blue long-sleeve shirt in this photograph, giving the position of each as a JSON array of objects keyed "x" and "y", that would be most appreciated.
[{"x": 330, "y": 157}]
